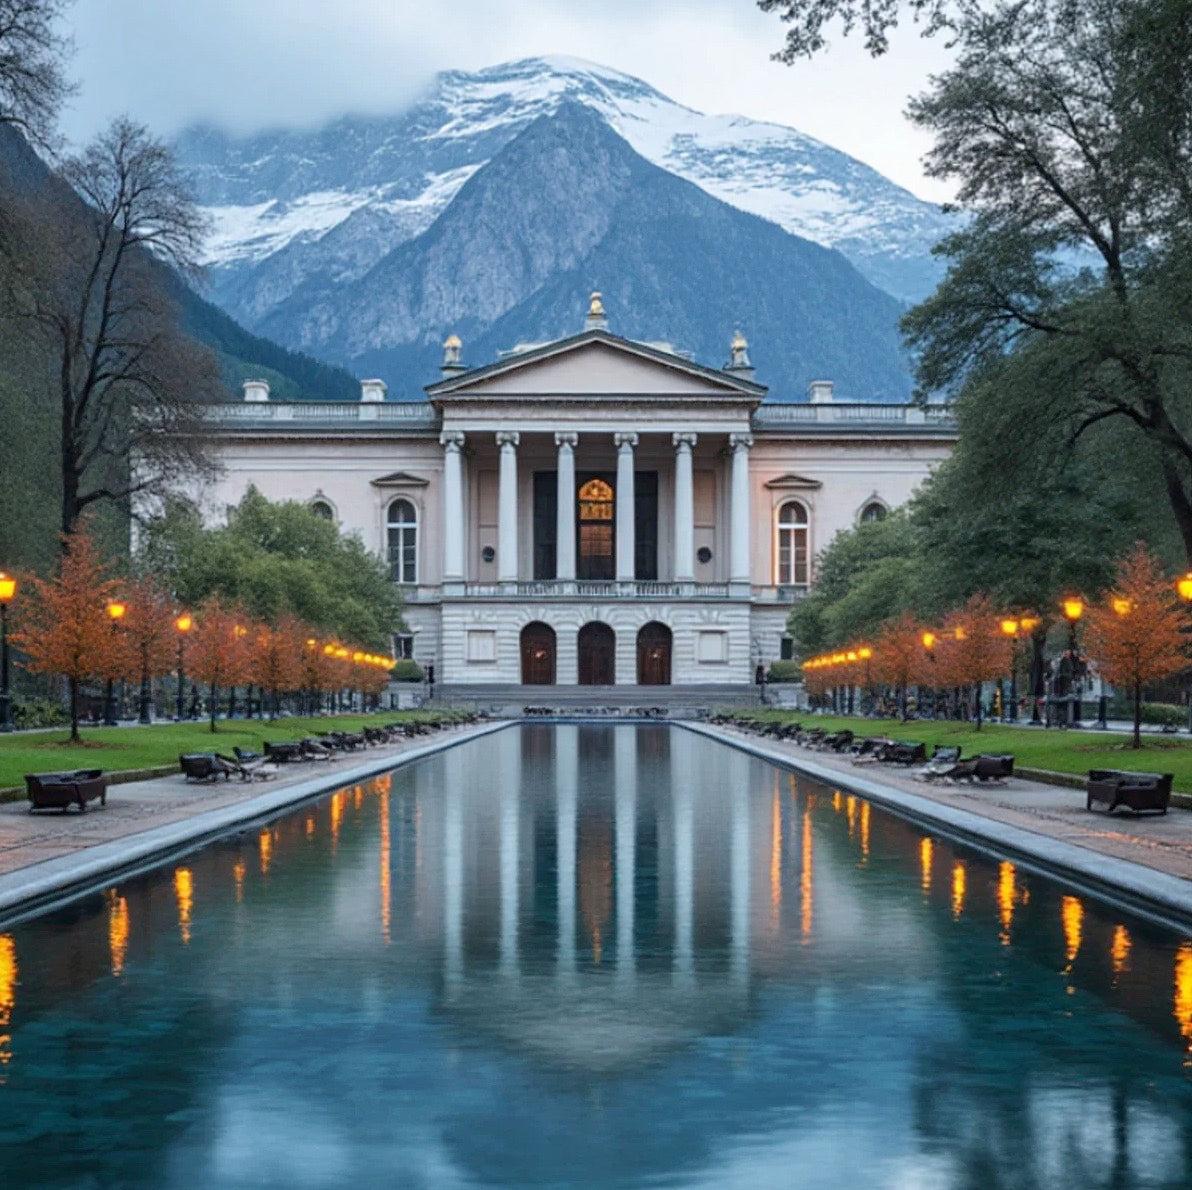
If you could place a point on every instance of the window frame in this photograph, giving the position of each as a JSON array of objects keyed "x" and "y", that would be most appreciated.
[
  {"x": 786, "y": 574},
  {"x": 405, "y": 528}
]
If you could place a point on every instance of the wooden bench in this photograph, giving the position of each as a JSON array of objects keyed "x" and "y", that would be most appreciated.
[
  {"x": 60, "y": 791},
  {"x": 1141, "y": 793}
]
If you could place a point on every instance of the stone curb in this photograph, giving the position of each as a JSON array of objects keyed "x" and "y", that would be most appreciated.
[
  {"x": 1152, "y": 893},
  {"x": 45, "y": 885}
]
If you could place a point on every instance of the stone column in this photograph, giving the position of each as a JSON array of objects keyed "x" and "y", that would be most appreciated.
[
  {"x": 452, "y": 442},
  {"x": 507, "y": 440},
  {"x": 739, "y": 523},
  {"x": 740, "y": 868},
  {"x": 684, "y": 509},
  {"x": 453, "y": 873},
  {"x": 565, "y": 508},
  {"x": 625, "y": 507}
]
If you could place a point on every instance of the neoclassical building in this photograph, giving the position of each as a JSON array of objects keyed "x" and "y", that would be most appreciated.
[{"x": 593, "y": 511}]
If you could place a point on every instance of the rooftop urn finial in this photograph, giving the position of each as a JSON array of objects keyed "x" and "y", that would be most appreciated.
[
  {"x": 596, "y": 320},
  {"x": 452, "y": 347},
  {"x": 372, "y": 391},
  {"x": 821, "y": 392},
  {"x": 739, "y": 363},
  {"x": 256, "y": 390}
]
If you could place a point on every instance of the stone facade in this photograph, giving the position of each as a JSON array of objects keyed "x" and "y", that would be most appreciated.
[{"x": 591, "y": 511}]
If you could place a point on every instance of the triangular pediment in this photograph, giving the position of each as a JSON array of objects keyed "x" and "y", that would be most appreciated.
[
  {"x": 593, "y": 365},
  {"x": 795, "y": 482},
  {"x": 400, "y": 479}
]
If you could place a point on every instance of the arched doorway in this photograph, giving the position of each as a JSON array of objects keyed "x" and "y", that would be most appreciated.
[
  {"x": 538, "y": 654},
  {"x": 654, "y": 655},
  {"x": 597, "y": 655}
]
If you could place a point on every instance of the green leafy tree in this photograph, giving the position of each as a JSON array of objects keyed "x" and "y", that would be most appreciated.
[{"x": 277, "y": 560}]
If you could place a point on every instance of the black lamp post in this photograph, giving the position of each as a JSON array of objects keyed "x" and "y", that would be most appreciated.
[
  {"x": 8, "y": 589},
  {"x": 1010, "y": 627},
  {"x": 116, "y": 611},
  {"x": 1073, "y": 609},
  {"x": 1183, "y": 586},
  {"x": 183, "y": 623}
]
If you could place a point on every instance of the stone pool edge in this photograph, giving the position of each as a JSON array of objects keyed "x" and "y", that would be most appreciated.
[
  {"x": 39, "y": 887},
  {"x": 1155, "y": 894}
]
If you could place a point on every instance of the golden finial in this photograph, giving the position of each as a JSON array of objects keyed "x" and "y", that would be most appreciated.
[{"x": 596, "y": 308}]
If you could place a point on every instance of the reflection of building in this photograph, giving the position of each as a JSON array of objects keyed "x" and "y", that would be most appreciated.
[{"x": 593, "y": 510}]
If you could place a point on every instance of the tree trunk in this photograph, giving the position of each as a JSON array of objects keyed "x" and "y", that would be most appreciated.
[
  {"x": 74, "y": 710},
  {"x": 1137, "y": 714},
  {"x": 214, "y": 692},
  {"x": 977, "y": 703}
]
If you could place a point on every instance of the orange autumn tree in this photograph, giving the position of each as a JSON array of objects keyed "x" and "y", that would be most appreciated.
[
  {"x": 65, "y": 627},
  {"x": 277, "y": 658},
  {"x": 899, "y": 656},
  {"x": 973, "y": 648},
  {"x": 1137, "y": 632},
  {"x": 216, "y": 653},
  {"x": 148, "y": 634}
]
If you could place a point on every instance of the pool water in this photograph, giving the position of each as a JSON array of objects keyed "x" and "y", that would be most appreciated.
[{"x": 593, "y": 956}]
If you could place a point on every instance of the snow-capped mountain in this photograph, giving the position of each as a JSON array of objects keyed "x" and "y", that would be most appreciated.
[{"x": 293, "y": 209}]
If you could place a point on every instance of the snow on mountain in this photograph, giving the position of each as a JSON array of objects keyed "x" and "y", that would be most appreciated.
[{"x": 292, "y": 207}]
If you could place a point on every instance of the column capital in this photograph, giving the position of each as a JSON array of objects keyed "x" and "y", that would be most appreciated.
[
  {"x": 452, "y": 439},
  {"x": 740, "y": 441},
  {"x": 684, "y": 440},
  {"x": 623, "y": 440},
  {"x": 570, "y": 439},
  {"x": 508, "y": 438}
]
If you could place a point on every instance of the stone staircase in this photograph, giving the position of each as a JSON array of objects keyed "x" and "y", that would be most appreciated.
[{"x": 671, "y": 702}]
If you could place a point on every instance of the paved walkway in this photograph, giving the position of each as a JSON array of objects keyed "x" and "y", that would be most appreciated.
[
  {"x": 1160, "y": 842},
  {"x": 139, "y": 806}
]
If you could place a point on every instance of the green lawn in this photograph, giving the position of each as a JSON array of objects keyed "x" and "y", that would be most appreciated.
[
  {"x": 1059, "y": 751},
  {"x": 117, "y": 748}
]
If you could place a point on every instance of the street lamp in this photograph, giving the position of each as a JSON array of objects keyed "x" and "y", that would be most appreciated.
[
  {"x": 1073, "y": 608},
  {"x": 116, "y": 610},
  {"x": 183, "y": 623},
  {"x": 1183, "y": 586},
  {"x": 8, "y": 589},
  {"x": 1010, "y": 627}
]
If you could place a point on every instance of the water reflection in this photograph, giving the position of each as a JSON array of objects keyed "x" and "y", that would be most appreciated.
[{"x": 623, "y": 956}]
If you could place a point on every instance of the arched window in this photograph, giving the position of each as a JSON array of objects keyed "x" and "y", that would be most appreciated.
[
  {"x": 875, "y": 510},
  {"x": 792, "y": 545},
  {"x": 403, "y": 542},
  {"x": 322, "y": 509}
]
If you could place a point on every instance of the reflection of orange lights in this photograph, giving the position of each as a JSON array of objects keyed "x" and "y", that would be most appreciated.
[
  {"x": 1183, "y": 994},
  {"x": 8, "y": 997},
  {"x": 238, "y": 870},
  {"x": 805, "y": 879},
  {"x": 359, "y": 798},
  {"x": 386, "y": 905},
  {"x": 1006, "y": 893},
  {"x": 337, "y": 816},
  {"x": 850, "y": 811},
  {"x": 310, "y": 826},
  {"x": 926, "y": 848},
  {"x": 1072, "y": 916},
  {"x": 1119, "y": 949},
  {"x": 864, "y": 832},
  {"x": 265, "y": 844},
  {"x": 775, "y": 858},
  {"x": 117, "y": 930},
  {"x": 383, "y": 783},
  {"x": 959, "y": 885},
  {"x": 185, "y": 894},
  {"x": 837, "y": 800}
]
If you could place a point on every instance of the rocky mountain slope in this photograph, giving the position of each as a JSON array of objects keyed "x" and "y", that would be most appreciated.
[
  {"x": 568, "y": 207},
  {"x": 298, "y": 208}
]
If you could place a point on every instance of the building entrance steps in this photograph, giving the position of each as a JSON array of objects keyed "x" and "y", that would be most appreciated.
[{"x": 679, "y": 702}]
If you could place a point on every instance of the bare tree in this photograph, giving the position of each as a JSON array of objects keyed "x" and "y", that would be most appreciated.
[
  {"x": 32, "y": 52},
  {"x": 92, "y": 281}
]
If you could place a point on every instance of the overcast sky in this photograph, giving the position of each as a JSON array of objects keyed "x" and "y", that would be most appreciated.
[{"x": 250, "y": 64}]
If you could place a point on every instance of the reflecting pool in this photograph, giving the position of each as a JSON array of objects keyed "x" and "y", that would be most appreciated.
[{"x": 593, "y": 956}]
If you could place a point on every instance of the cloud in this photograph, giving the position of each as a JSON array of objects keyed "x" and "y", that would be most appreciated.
[{"x": 251, "y": 64}]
